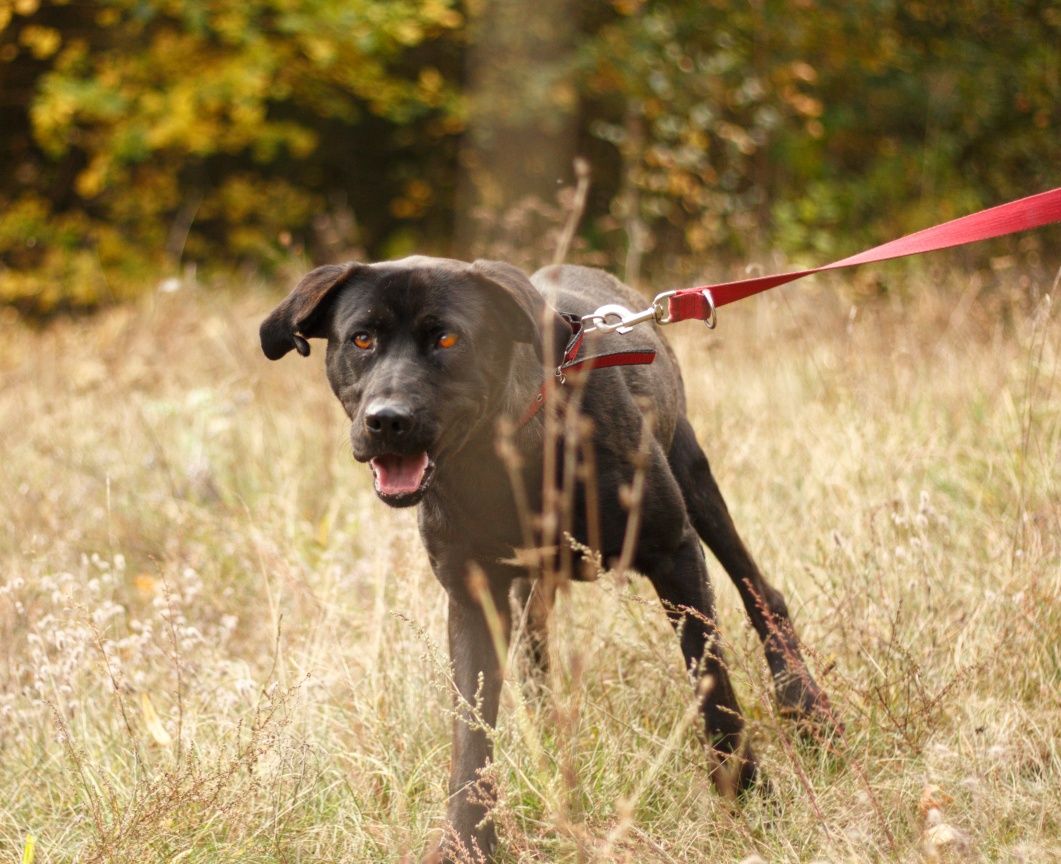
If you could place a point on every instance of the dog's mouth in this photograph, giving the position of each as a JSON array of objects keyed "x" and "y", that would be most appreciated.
[{"x": 401, "y": 479}]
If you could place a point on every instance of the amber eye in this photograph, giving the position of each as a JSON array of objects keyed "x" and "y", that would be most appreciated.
[
  {"x": 447, "y": 340},
  {"x": 364, "y": 340}
]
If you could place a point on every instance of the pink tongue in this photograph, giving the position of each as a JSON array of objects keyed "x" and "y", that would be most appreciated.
[{"x": 396, "y": 474}]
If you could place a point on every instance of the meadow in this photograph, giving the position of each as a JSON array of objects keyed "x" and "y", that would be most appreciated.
[{"x": 218, "y": 646}]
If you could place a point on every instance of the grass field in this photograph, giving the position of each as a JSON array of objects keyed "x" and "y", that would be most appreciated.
[{"x": 219, "y": 647}]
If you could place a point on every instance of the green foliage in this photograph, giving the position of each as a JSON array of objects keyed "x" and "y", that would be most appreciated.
[
  {"x": 703, "y": 93},
  {"x": 140, "y": 135},
  {"x": 825, "y": 120},
  {"x": 169, "y": 128},
  {"x": 929, "y": 111}
]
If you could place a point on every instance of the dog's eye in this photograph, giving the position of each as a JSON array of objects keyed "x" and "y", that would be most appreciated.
[
  {"x": 447, "y": 340},
  {"x": 364, "y": 340}
]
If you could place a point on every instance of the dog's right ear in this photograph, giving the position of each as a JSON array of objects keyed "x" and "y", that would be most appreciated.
[{"x": 300, "y": 316}]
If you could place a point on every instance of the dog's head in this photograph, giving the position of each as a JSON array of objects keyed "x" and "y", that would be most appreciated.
[{"x": 419, "y": 352}]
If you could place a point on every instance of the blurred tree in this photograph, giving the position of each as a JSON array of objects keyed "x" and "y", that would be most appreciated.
[{"x": 520, "y": 142}]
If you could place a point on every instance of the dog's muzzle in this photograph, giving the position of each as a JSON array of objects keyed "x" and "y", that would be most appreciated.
[{"x": 390, "y": 439}]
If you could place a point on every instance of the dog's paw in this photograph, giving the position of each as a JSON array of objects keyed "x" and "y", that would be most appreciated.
[
  {"x": 751, "y": 781},
  {"x": 800, "y": 700},
  {"x": 737, "y": 775}
]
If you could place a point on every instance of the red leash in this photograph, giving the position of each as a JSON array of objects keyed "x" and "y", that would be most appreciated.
[{"x": 1035, "y": 211}]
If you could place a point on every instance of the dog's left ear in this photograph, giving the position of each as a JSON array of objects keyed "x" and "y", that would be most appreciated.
[
  {"x": 527, "y": 311},
  {"x": 300, "y": 315}
]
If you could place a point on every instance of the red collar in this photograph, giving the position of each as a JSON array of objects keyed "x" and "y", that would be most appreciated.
[{"x": 573, "y": 363}]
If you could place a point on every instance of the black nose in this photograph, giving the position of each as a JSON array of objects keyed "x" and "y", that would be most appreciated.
[{"x": 388, "y": 420}]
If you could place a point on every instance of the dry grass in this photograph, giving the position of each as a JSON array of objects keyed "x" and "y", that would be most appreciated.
[{"x": 219, "y": 647}]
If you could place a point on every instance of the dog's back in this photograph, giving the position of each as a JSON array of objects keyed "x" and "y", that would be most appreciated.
[{"x": 577, "y": 290}]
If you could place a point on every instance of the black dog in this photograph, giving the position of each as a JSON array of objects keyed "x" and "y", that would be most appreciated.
[{"x": 428, "y": 357}]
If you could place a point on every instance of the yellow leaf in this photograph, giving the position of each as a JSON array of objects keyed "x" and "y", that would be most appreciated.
[
  {"x": 108, "y": 17},
  {"x": 408, "y": 32},
  {"x": 41, "y": 41},
  {"x": 29, "y": 849},
  {"x": 431, "y": 80},
  {"x": 89, "y": 183},
  {"x": 153, "y": 723}
]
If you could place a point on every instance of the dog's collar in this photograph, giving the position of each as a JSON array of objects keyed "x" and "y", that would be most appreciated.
[{"x": 572, "y": 363}]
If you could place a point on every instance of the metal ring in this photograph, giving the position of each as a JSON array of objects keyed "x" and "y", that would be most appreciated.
[
  {"x": 711, "y": 320},
  {"x": 661, "y": 312}
]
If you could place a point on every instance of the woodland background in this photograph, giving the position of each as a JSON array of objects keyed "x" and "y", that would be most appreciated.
[{"x": 146, "y": 138}]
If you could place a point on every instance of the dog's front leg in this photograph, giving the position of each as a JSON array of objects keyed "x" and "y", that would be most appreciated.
[{"x": 479, "y": 625}]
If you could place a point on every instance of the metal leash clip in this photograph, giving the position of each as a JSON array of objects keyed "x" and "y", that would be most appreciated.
[{"x": 616, "y": 318}]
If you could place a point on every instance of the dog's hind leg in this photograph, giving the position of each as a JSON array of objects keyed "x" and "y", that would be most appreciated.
[
  {"x": 798, "y": 695},
  {"x": 679, "y": 576}
]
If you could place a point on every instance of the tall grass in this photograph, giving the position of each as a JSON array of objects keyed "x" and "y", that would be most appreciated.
[{"x": 218, "y": 646}]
